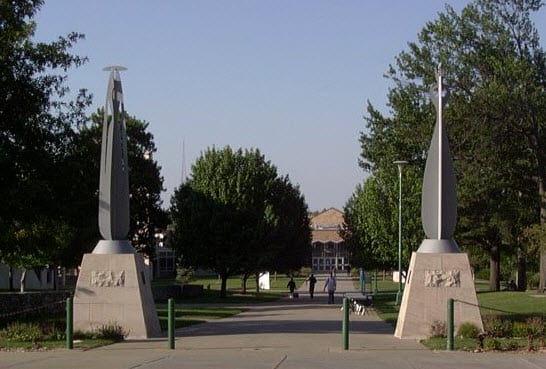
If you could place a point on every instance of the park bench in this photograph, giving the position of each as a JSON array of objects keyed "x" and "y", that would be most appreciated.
[{"x": 359, "y": 303}]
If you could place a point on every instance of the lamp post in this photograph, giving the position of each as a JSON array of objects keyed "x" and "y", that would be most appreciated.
[{"x": 400, "y": 164}]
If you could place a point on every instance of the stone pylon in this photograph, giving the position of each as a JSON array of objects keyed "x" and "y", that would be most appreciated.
[
  {"x": 438, "y": 270},
  {"x": 114, "y": 287}
]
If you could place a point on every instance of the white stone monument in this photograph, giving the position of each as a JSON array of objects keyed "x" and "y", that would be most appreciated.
[
  {"x": 263, "y": 281},
  {"x": 438, "y": 270},
  {"x": 113, "y": 287}
]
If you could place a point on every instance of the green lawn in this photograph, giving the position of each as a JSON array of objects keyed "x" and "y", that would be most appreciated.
[
  {"x": 509, "y": 304},
  {"x": 53, "y": 344},
  {"x": 212, "y": 285},
  {"x": 210, "y": 305},
  {"x": 234, "y": 284},
  {"x": 514, "y": 305},
  {"x": 187, "y": 315}
]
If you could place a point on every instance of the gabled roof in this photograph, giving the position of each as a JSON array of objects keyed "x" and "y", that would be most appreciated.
[
  {"x": 325, "y": 227},
  {"x": 331, "y": 216}
]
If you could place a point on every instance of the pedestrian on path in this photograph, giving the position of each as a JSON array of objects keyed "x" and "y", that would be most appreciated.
[
  {"x": 331, "y": 286},
  {"x": 292, "y": 286},
  {"x": 312, "y": 281}
]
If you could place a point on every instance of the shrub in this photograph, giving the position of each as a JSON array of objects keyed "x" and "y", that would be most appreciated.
[
  {"x": 493, "y": 344},
  {"x": 54, "y": 330},
  {"x": 81, "y": 335},
  {"x": 111, "y": 331},
  {"x": 482, "y": 274},
  {"x": 533, "y": 281},
  {"x": 519, "y": 329},
  {"x": 21, "y": 331},
  {"x": 535, "y": 326},
  {"x": 510, "y": 345},
  {"x": 496, "y": 327},
  {"x": 468, "y": 330},
  {"x": 305, "y": 271},
  {"x": 184, "y": 275},
  {"x": 438, "y": 329}
]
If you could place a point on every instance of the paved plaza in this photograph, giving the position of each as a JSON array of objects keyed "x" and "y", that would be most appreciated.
[{"x": 289, "y": 334}]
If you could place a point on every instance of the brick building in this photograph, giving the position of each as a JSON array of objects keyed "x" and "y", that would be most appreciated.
[{"x": 328, "y": 247}]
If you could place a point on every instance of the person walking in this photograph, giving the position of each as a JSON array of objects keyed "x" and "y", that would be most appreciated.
[
  {"x": 331, "y": 286},
  {"x": 291, "y": 286},
  {"x": 312, "y": 281}
]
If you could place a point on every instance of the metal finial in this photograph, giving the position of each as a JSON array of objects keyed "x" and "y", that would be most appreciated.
[
  {"x": 439, "y": 92},
  {"x": 114, "y": 67}
]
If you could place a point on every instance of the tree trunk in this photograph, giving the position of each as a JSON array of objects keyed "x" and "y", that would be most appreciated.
[
  {"x": 494, "y": 269},
  {"x": 55, "y": 282},
  {"x": 541, "y": 284},
  {"x": 23, "y": 279},
  {"x": 542, "y": 193},
  {"x": 223, "y": 285},
  {"x": 10, "y": 277},
  {"x": 522, "y": 268},
  {"x": 244, "y": 278},
  {"x": 257, "y": 279}
]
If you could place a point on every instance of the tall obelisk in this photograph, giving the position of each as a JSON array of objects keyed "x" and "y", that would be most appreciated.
[
  {"x": 114, "y": 173},
  {"x": 438, "y": 270},
  {"x": 113, "y": 286}
]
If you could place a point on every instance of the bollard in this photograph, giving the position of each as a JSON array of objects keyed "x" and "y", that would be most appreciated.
[
  {"x": 450, "y": 324},
  {"x": 361, "y": 277},
  {"x": 345, "y": 324},
  {"x": 170, "y": 325},
  {"x": 69, "y": 324}
]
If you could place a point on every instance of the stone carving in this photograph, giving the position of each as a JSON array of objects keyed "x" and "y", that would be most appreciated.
[
  {"x": 107, "y": 278},
  {"x": 439, "y": 278}
]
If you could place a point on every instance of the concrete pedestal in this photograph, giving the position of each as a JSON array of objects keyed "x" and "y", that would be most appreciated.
[
  {"x": 114, "y": 289},
  {"x": 432, "y": 279}
]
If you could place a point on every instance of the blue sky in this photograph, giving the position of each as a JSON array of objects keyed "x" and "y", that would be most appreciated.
[{"x": 290, "y": 78}]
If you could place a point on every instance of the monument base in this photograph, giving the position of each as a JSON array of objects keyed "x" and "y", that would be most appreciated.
[
  {"x": 433, "y": 278},
  {"x": 114, "y": 289},
  {"x": 114, "y": 247}
]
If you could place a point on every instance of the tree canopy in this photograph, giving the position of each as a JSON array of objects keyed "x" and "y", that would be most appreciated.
[
  {"x": 495, "y": 68},
  {"x": 236, "y": 215},
  {"x": 36, "y": 122},
  {"x": 49, "y": 153}
]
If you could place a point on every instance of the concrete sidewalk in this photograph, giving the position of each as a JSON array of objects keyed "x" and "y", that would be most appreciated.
[{"x": 291, "y": 333}]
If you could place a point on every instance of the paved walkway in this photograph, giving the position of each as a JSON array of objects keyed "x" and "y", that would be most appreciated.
[{"x": 292, "y": 333}]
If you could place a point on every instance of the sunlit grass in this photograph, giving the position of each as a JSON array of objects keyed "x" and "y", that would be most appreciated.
[
  {"x": 189, "y": 315},
  {"x": 53, "y": 344}
]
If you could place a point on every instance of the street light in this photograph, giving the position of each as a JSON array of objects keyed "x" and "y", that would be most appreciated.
[{"x": 400, "y": 164}]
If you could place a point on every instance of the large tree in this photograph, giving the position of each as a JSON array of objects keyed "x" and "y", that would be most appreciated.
[
  {"x": 371, "y": 217},
  {"x": 492, "y": 61},
  {"x": 292, "y": 235},
  {"x": 230, "y": 215},
  {"x": 286, "y": 244},
  {"x": 36, "y": 121}
]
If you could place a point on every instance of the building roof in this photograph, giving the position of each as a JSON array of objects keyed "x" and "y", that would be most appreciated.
[
  {"x": 331, "y": 217},
  {"x": 325, "y": 227}
]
